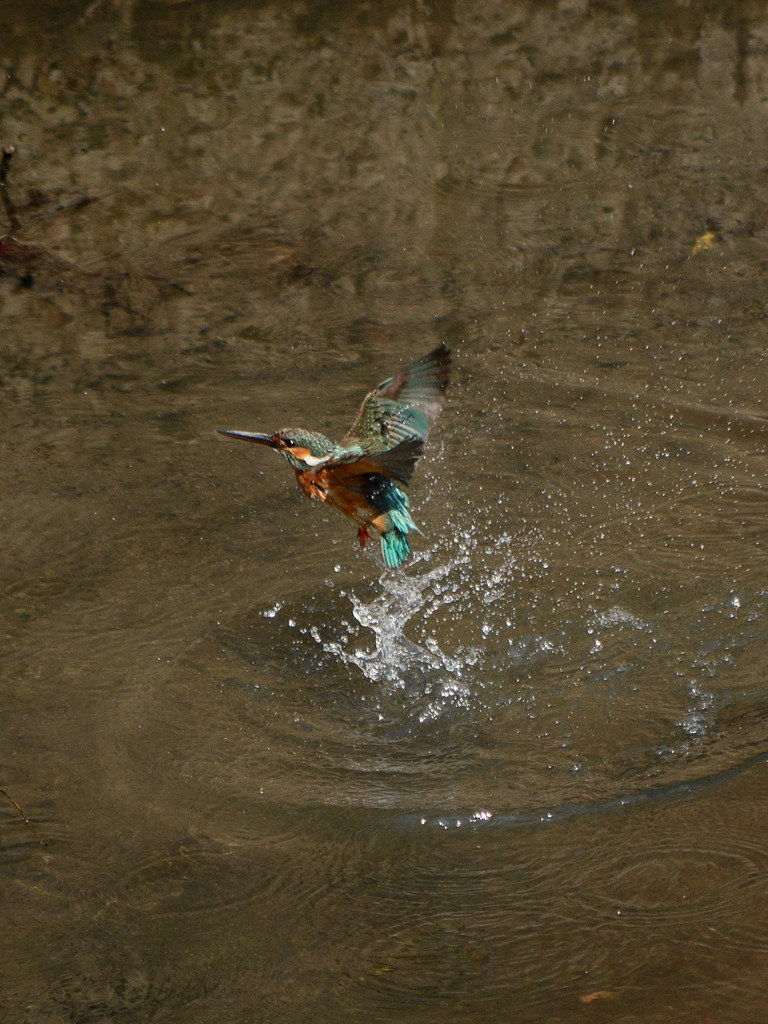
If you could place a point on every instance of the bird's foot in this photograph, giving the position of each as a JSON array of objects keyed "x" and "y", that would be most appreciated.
[{"x": 363, "y": 535}]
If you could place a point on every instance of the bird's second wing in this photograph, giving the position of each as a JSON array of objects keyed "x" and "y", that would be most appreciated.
[{"x": 397, "y": 462}]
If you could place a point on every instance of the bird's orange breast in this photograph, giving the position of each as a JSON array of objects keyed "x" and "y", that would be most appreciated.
[{"x": 324, "y": 486}]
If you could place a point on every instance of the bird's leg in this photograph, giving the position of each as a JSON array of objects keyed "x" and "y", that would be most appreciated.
[{"x": 363, "y": 535}]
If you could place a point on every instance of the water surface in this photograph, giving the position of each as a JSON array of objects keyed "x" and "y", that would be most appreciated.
[{"x": 524, "y": 778}]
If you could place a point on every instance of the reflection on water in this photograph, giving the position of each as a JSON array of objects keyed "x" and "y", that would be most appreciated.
[{"x": 523, "y": 778}]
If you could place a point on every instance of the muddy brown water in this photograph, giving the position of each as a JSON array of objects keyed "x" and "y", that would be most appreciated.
[{"x": 523, "y": 779}]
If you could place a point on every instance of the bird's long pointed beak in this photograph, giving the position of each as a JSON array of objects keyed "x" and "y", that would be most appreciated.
[{"x": 246, "y": 435}]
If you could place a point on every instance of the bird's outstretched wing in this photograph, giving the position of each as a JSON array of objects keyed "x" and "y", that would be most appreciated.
[{"x": 403, "y": 408}]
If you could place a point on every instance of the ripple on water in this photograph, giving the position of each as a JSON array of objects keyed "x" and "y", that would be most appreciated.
[
  {"x": 523, "y": 910},
  {"x": 677, "y": 879},
  {"x": 439, "y": 694},
  {"x": 469, "y": 771},
  {"x": 189, "y": 880},
  {"x": 202, "y": 877}
]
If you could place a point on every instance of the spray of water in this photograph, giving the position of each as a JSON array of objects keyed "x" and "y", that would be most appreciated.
[{"x": 397, "y": 663}]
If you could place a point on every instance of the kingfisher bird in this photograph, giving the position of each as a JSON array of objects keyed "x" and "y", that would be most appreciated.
[{"x": 365, "y": 475}]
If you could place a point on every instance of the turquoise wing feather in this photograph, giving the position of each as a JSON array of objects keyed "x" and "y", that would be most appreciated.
[{"x": 403, "y": 408}]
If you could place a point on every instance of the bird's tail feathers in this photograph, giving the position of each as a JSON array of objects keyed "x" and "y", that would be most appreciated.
[
  {"x": 395, "y": 527},
  {"x": 395, "y": 548}
]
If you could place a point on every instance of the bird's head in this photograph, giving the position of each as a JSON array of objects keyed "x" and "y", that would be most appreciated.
[{"x": 303, "y": 449}]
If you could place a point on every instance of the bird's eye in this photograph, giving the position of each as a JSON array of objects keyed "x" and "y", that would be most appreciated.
[{"x": 288, "y": 442}]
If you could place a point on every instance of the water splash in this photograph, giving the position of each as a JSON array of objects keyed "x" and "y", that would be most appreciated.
[
  {"x": 398, "y": 663},
  {"x": 443, "y": 634}
]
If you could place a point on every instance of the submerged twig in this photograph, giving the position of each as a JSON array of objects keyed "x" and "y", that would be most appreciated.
[
  {"x": 27, "y": 822},
  {"x": 10, "y": 209}
]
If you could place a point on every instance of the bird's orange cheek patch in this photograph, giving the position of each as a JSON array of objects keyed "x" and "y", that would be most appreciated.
[{"x": 301, "y": 453}]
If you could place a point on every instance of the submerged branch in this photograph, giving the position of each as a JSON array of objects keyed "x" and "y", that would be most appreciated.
[
  {"x": 27, "y": 822},
  {"x": 10, "y": 209}
]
